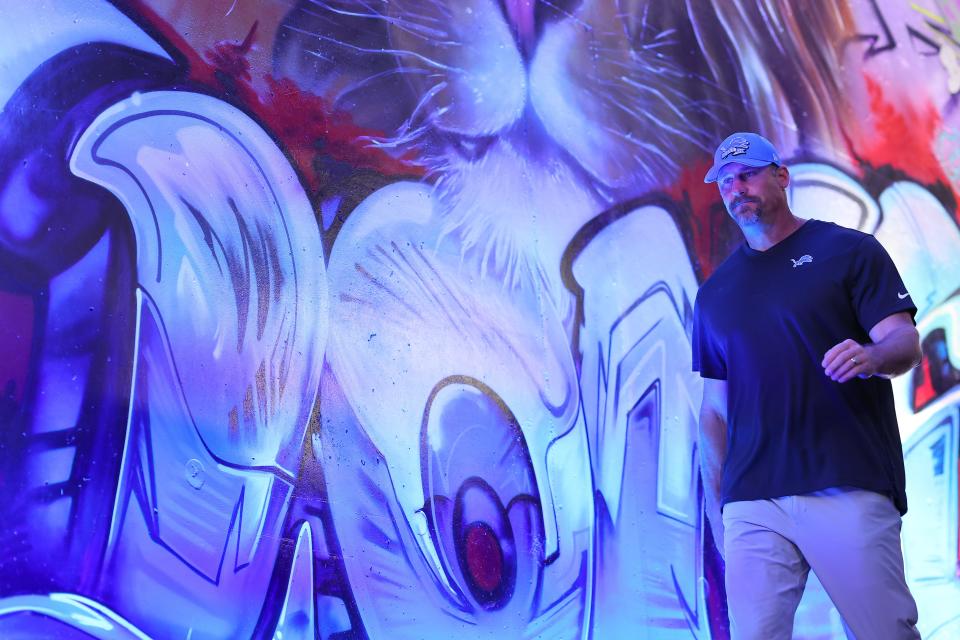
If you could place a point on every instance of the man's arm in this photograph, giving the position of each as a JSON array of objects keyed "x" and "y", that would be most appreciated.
[
  {"x": 895, "y": 349},
  {"x": 713, "y": 450}
]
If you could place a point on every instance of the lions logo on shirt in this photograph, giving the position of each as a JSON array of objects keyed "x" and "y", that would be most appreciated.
[{"x": 801, "y": 260}]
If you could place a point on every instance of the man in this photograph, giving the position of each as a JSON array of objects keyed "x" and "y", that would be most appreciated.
[{"x": 796, "y": 335}]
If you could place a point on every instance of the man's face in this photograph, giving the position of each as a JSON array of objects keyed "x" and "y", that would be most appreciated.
[{"x": 751, "y": 194}]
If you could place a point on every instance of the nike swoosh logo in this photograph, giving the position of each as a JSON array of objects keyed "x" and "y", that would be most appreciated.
[{"x": 903, "y": 296}]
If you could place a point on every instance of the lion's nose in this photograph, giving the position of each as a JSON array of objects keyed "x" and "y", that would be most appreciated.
[{"x": 521, "y": 16}]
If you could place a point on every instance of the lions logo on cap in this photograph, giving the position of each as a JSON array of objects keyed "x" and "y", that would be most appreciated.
[{"x": 738, "y": 146}]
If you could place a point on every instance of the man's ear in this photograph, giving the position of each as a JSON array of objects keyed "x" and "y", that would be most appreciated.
[{"x": 783, "y": 176}]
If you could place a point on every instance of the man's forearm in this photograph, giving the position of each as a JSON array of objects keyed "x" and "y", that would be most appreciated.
[
  {"x": 713, "y": 453},
  {"x": 897, "y": 353}
]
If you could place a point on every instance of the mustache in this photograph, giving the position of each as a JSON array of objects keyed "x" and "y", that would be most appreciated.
[{"x": 743, "y": 199}]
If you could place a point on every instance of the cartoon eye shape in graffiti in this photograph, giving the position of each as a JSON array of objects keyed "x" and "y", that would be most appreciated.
[
  {"x": 482, "y": 507},
  {"x": 472, "y": 557}
]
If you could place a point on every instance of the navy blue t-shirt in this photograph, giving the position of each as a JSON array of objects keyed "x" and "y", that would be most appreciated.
[{"x": 763, "y": 322}]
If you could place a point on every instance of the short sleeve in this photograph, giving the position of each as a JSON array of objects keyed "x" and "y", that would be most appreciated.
[
  {"x": 707, "y": 355},
  {"x": 877, "y": 289}
]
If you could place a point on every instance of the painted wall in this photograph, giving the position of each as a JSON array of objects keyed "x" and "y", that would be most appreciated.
[{"x": 368, "y": 319}]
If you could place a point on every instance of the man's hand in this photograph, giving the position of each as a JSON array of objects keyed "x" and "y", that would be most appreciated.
[
  {"x": 848, "y": 359},
  {"x": 895, "y": 349}
]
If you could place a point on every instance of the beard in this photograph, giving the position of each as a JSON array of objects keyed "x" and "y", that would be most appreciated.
[{"x": 746, "y": 211}]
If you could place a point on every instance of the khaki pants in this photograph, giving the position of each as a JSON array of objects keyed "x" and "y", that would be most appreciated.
[{"x": 849, "y": 537}]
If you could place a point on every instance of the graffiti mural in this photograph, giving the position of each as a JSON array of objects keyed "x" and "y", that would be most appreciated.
[{"x": 350, "y": 319}]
